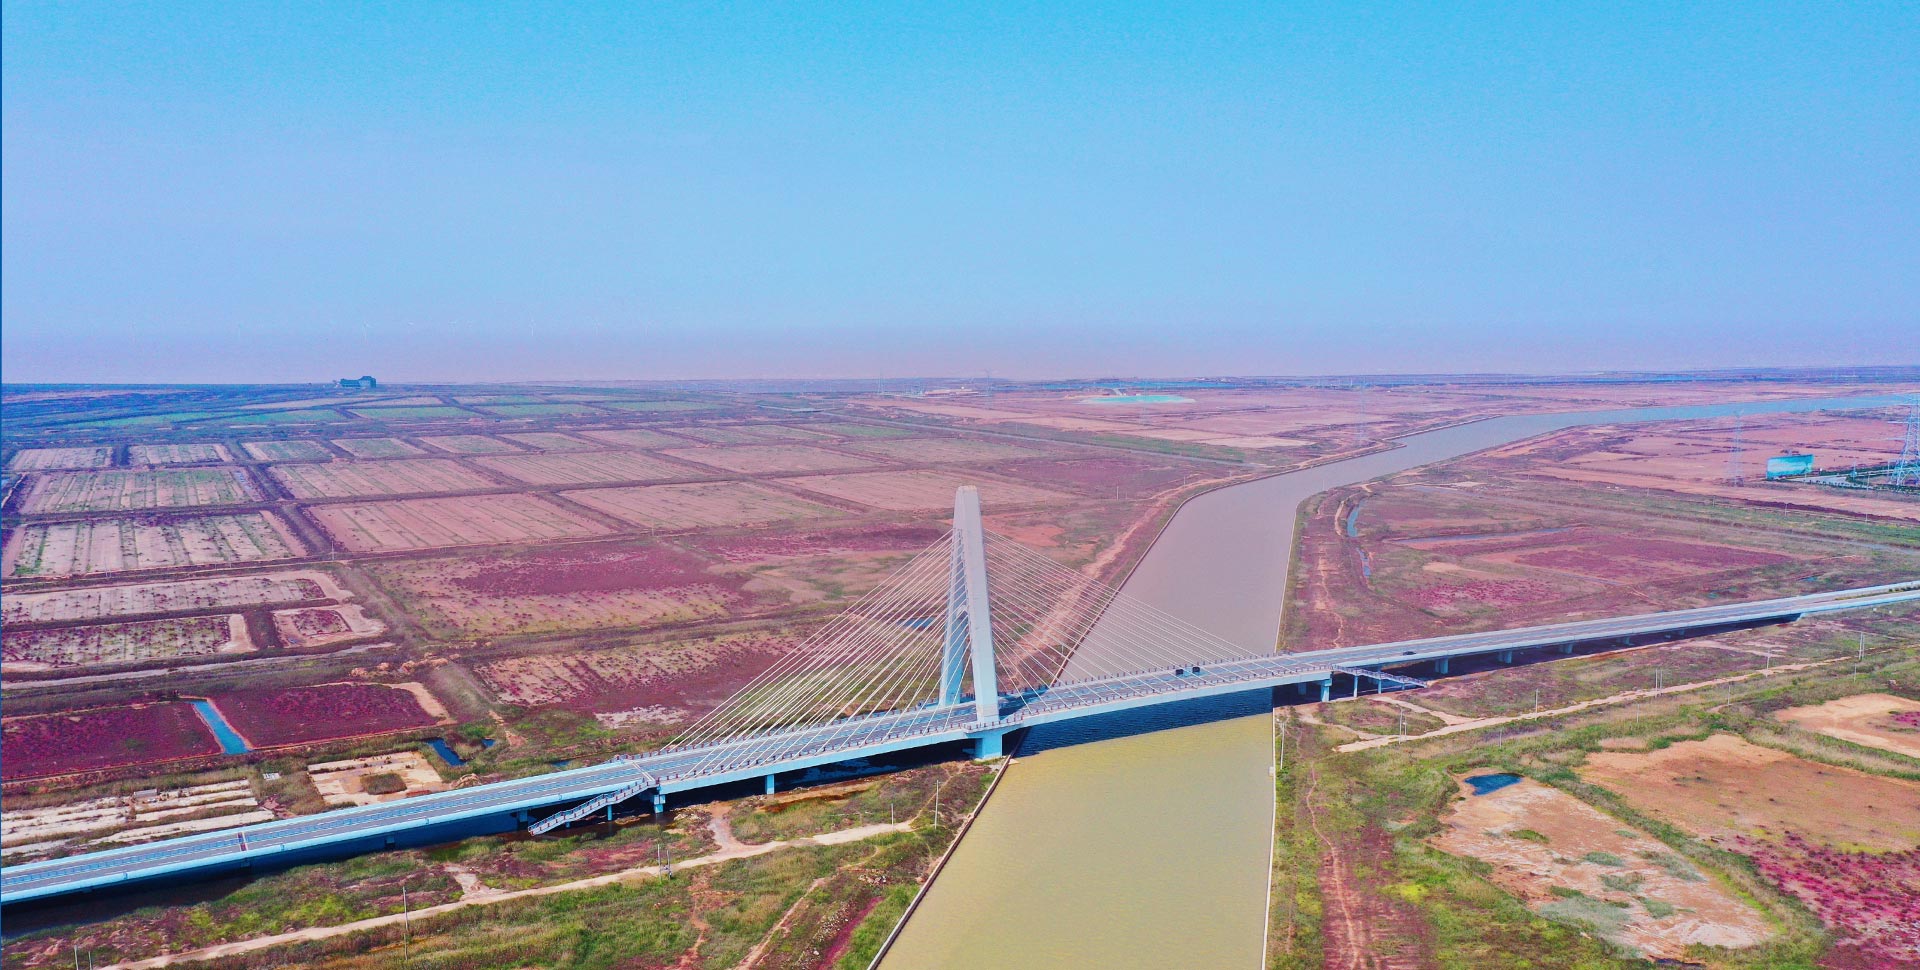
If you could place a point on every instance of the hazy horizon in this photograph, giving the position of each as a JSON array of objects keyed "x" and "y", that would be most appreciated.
[{"x": 257, "y": 194}]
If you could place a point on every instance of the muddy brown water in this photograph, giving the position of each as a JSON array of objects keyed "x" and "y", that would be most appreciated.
[{"x": 1152, "y": 849}]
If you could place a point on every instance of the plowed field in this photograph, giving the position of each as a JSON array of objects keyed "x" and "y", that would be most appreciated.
[
  {"x": 352, "y": 479},
  {"x": 103, "y": 602},
  {"x": 195, "y": 454},
  {"x": 120, "y": 491},
  {"x": 549, "y": 441},
  {"x": 701, "y": 504},
  {"x": 587, "y": 469},
  {"x": 765, "y": 459},
  {"x": 86, "y": 548},
  {"x": 943, "y": 450},
  {"x": 39, "y": 459},
  {"x": 471, "y": 444},
  {"x": 289, "y": 451},
  {"x": 122, "y": 643},
  {"x": 428, "y": 523},
  {"x": 377, "y": 447}
]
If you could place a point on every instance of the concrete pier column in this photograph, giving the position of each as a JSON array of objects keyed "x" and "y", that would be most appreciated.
[
  {"x": 1506, "y": 656},
  {"x": 1442, "y": 665},
  {"x": 769, "y": 783},
  {"x": 1326, "y": 690},
  {"x": 1566, "y": 648},
  {"x": 988, "y": 745},
  {"x": 659, "y": 803},
  {"x": 1303, "y": 686}
]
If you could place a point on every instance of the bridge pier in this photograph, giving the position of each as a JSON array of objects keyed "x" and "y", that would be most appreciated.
[
  {"x": 769, "y": 783},
  {"x": 1506, "y": 656},
  {"x": 1326, "y": 690},
  {"x": 659, "y": 804},
  {"x": 988, "y": 746},
  {"x": 1303, "y": 687},
  {"x": 1566, "y": 649},
  {"x": 1442, "y": 665}
]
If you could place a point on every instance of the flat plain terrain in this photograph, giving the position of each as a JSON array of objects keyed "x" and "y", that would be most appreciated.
[
  {"x": 921, "y": 491},
  {"x": 117, "y": 545},
  {"x": 361, "y": 479},
  {"x": 590, "y": 468},
  {"x": 428, "y": 523},
  {"x": 701, "y": 505},
  {"x": 105, "y": 602},
  {"x": 42, "y": 459},
  {"x": 120, "y": 491}
]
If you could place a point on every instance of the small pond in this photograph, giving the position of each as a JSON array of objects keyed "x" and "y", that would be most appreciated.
[
  {"x": 445, "y": 751},
  {"x": 1487, "y": 784},
  {"x": 230, "y": 740}
]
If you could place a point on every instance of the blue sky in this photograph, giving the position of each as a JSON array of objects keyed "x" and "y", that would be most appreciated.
[{"x": 292, "y": 191}]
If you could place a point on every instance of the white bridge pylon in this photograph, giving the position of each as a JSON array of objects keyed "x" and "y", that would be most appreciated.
[{"x": 964, "y": 635}]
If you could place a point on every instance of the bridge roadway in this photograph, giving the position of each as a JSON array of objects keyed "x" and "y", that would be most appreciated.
[{"x": 685, "y": 769}]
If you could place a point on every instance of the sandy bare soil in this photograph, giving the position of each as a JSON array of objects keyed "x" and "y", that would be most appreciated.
[
  {"x": 910, "y": 491},
  {"x": 1867, "y": 719},
  {"x": 1729, "y": 788},
  {"x": 345, "y": 782},
  {"x": 1571, "y": 845}
]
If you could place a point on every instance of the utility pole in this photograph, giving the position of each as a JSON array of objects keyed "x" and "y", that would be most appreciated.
[
  {"x": 406, "y": 919},
  {"x": 1283, "y": 745}
]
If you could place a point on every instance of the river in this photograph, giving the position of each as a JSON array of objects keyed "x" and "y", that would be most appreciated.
[{"x": 1152, "y": 850}]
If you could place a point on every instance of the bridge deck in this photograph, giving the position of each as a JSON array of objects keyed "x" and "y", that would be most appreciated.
[{"x": 677, "y": 770}]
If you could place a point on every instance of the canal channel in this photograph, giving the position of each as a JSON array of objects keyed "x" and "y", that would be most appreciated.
[{"x": 1152, "y": 849}]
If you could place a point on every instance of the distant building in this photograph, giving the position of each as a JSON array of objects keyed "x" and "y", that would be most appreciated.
[
  {"x": 1787, "y": 466},
  {"x": 361, "y": 381}
]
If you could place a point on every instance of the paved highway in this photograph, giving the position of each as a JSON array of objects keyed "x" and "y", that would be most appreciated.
[{"x": 691, "y": 768}]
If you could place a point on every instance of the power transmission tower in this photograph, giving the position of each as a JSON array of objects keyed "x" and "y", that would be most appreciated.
[{"x": 1907, "y": 472}]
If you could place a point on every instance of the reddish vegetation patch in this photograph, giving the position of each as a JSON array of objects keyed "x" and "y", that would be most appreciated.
[
  {"x": 1516, "y": 592},
  {"x": 1871, "y": 900},
  {"x": 1625, "y": 557},
  {"x": 649, "y": 568},
  {"x": 54, "y": 744},
  {"x": 1359, "y": 918},
  {"x": 1909, "y": 719},
  {"x": 752, "y": 548},
  {"x": 269, "y": 718},
  {"x": 319, "y": 623},
  {"x": 1099, "y": 475}
]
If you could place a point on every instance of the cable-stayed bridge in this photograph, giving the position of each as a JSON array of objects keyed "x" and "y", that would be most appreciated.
[{"x": 973, "y": 638}]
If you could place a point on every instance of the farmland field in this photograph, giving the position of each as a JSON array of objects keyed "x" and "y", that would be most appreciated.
[
  {"x": 730, "y": 434},
  {"x": 194, "y": 454},
  {"x": 549, "y": 441},
  {"x": 914, "y": 491},
  {"x": 354, "y": 479},
  {"x": 1104, "y": 476},
  {"x": 634, "y": 438},
  {"x": 788, "y": 432},
  {"x": 427, "y": 413},
  {"x": 305, "y": 715},
  {"x": 560, "y": 590},
  {"x": 940, "y": 450},
  {"x": 847, "y": 430},
  {"x": 118, "y": 491},
  {"x": 540, "y": 410},
  {"x": 279, "y": 418},
  {"x": 40, "y": 459},
  {"x": 700, "y": 504},
  {"x": 288, "y": 450},
  {"x": 86, "y": 548},
  {"x": 587, "y": 469},
  {"x": 318, "y": 625},
  {"x": 119, "y": 643},
  {"x": 53, "y": 744},
  {"x": 471, "y": 444},
  {"x": 656, "y": 406},
  {"x": 764, "y": 459},
  {"x": 434, "y": 522},
  {"x": 103, "y": 602},
  {"x": 377, "y": 447}
]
